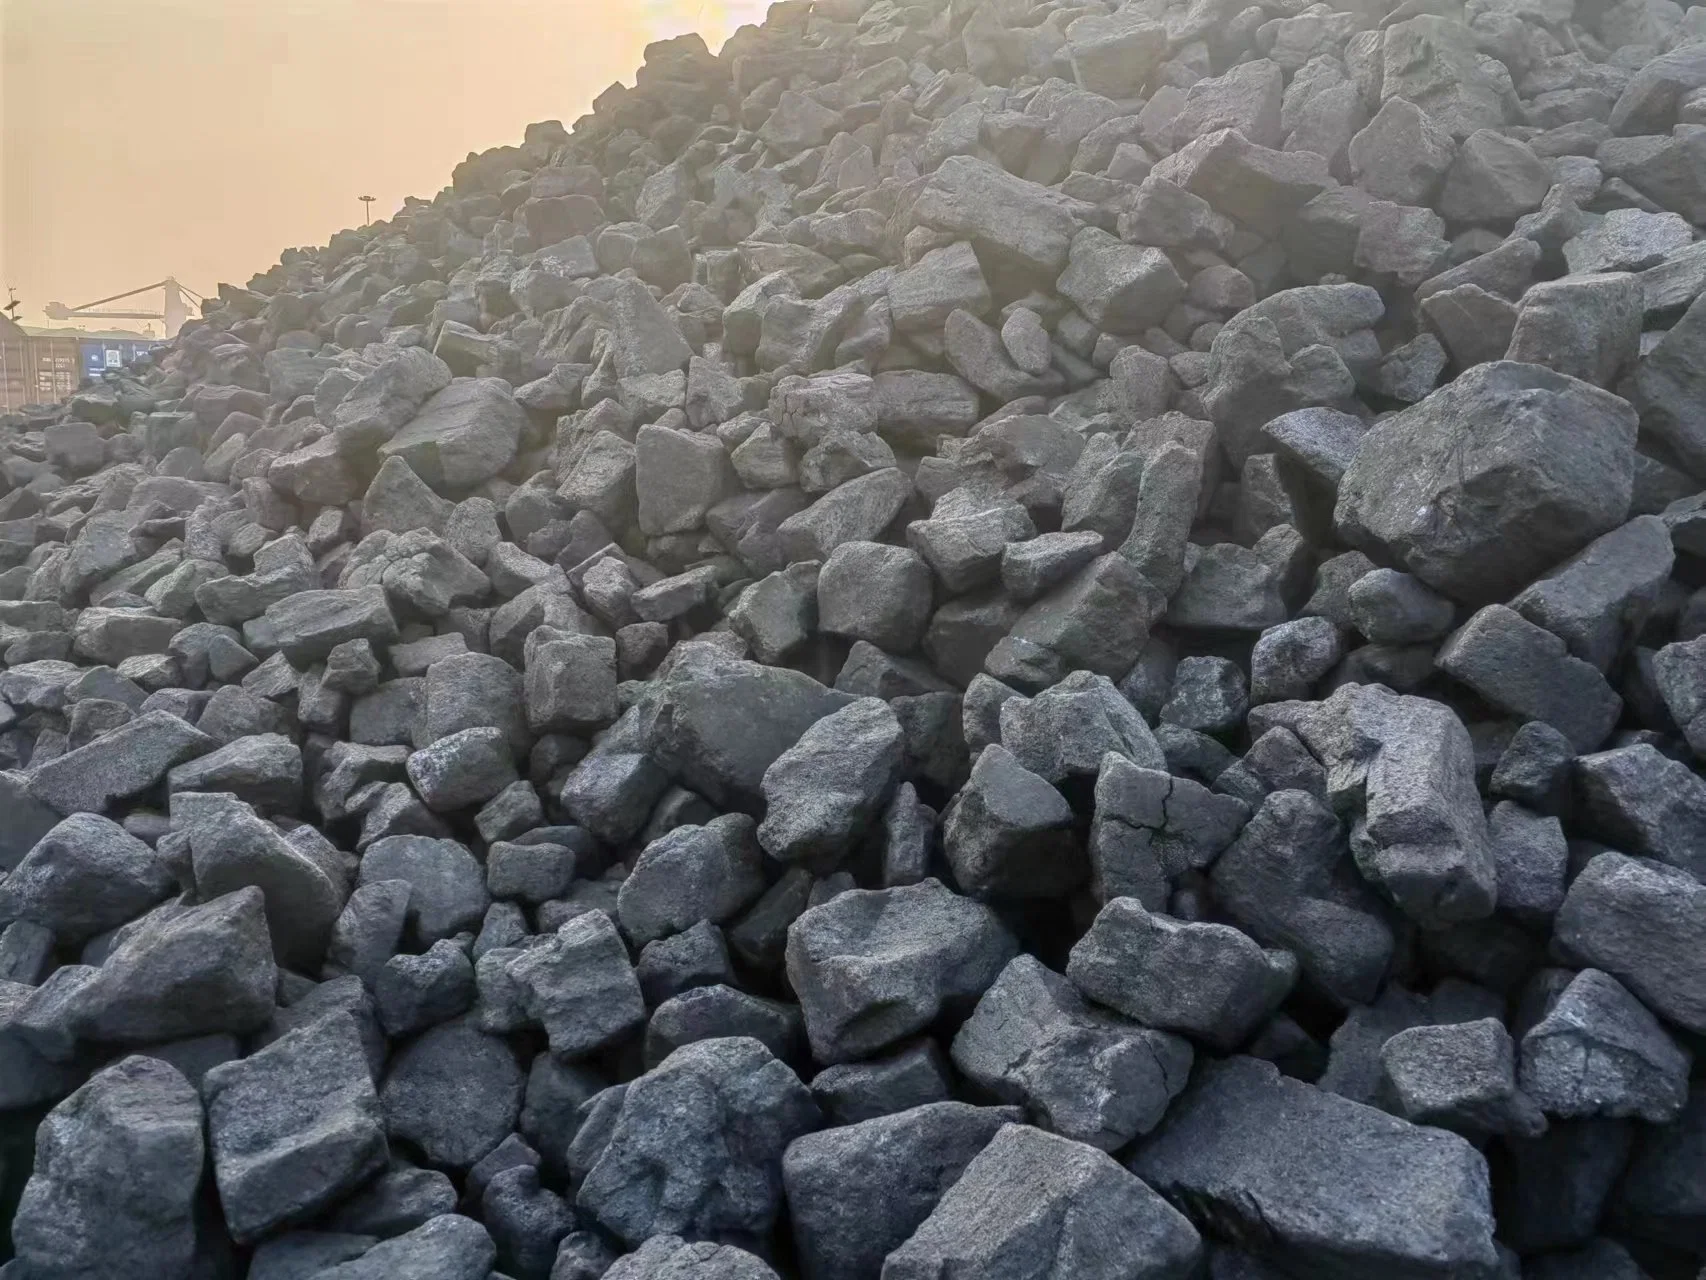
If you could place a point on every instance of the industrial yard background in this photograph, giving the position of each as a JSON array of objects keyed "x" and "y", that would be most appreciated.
[
  {"x": 41, "y": 366},
  {"x": 320, "y": 102}
]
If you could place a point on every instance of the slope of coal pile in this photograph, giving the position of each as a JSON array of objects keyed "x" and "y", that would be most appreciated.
[{"x": 975, "y": 639}]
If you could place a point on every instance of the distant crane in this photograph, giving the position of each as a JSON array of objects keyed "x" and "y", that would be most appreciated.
[
  {"x": 12, "y": 304},
  {"x": 174, "y": 311}
]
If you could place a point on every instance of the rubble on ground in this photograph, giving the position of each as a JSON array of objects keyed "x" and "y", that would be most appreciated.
[{"x": 1031, "y": 638}]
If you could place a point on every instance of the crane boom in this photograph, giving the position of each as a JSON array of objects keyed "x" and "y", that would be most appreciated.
[
  {"x": 81, "y": 314},
  {"x": 174, "y": 312},
  {"x": 158, "y": 284}
]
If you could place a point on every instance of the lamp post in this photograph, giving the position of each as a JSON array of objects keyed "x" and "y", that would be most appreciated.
[{"x": 366, "y": 210}]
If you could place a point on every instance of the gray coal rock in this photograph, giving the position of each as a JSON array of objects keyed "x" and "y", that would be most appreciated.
[
  {"x": 872, "y": 967},
  {"x": 293, "y": 1128},
  {"x": 1034, "y": 1041},
  {"x": 776, "y": 680},
  {"x": 1404, "y": 1196},
  {"x": 1558, "y": 451},
  {"x": 858, "y": 1191},
  {"x": 1036, "y": 1204},
  {"x": 113, "y": 1186},
  {"x": 716, "y": 1116}
]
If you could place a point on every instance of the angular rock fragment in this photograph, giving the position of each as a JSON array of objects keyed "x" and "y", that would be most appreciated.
[
  {"x": 1667, "y": 385},
  {"x": 1035, "y": 1205},
  {"x": 856, "y": 1192},
  {"x": 1587, "y": 326},
  {"x": 1534, "y": 768},
  {"x": 447, "y": 885},
  {"x": 1289, "y": 659},
  {"x": 1121, "y": 288},
  {"x": 462, "y": 435},
  {"x": 453, "y": 1093},
  {"x": 715, "y": 1119},
  {"x": 1066, "y": 730},
  {"x": 412, "y": 992},
  {"x": 1034, "y": 1041},
  {"x": 112, "y": 1191},
  {"x": 1645, "y": 803},
  {"x": 117, "y": 765},
  {"x": 1598, "y": 600},
  {"x": 231, "y": 848},
  {"x": 1599, "y": 1052},
  {"x": 943, "y": 281},
  {"x": 293, "y": 1127},
  {"x": 263, "y": 769},
  {"x": 1150, "y": 828},
  {"x": 720, "y": 724},
  {"x": 1389, "y": 607},
  {"x": 1007, "y": 833},
  {"x": 1560, "y": 1182},
  {"x": 966, "y": 538},
  {"x": 179, "y": 973},
  {"x": 1657, "y": 1196},
  {"x": 669, "y": 1257},
  {"x": 462, "y": 769},
  {"x": 1287, "y": 881},
  {"x": 690, "y": 875},
  {"x": 1527, "y": 671},
  {"x": 384, "y": 399},
  {"x": 1094, "y": 621},
  {"x": 578, "y": 985},
  {"x": 823, "y": 792},
  {"x": 1252, "y": 183},
  {"x": 1499, "y": 430},
  {"x": 1208, "y": 696},
  {"x": 1402, "y": 154},
  {"x": 447, "y": 1247},
  {"x": 778, "y": 613},
  {"x": 1115, "y": 54},
  {"x": 1293, "y": 350},
  {"x": 867, "y": 591},
  {"x": 1406, "y": 1197},
  {"x": 1493, "y": 179},
  {"x": 1532, "y": 857},
  {"x": 611, "y": 794},
  {"x": 1407, "y": 764},
  {"x": 83, "y": 877},
  {"x": 858, "y": 1091},
  {"x": 1640, "y": 922},
  {"x": 1021, "y": 222},
  {"x": 1137, "y": 962},
  {"x": 1323, "y": 440},
  {"x": 871, "y": 967},
  {"x": 1226, "y": 587},
  {"x": 527, "y": 1222},
  {"x": 309, "y": 624},
  {"x": 712, "y": 1012},
  {"x": 571, "y": 684},
  {"x": 1460, "y": 1076}
]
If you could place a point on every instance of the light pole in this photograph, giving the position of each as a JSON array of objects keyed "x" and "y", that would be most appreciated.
[{"x": 366, "y": 210}]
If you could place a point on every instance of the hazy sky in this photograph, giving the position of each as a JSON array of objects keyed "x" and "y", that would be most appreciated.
[{"x": 197, "y": 138}]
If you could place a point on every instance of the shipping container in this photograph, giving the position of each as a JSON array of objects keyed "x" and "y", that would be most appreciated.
[
  {"x": 14, "y": 366},
  {"x": 36, "y": 369},
  {"x": 56, "y": 365},
  {"x": 48, "y": 365}
]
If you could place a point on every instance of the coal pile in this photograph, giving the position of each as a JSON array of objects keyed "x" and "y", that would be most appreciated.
[{"x": 987, "y": 640}]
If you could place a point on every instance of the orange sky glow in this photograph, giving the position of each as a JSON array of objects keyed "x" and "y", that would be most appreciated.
[{"x": 198, "y": 138}]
